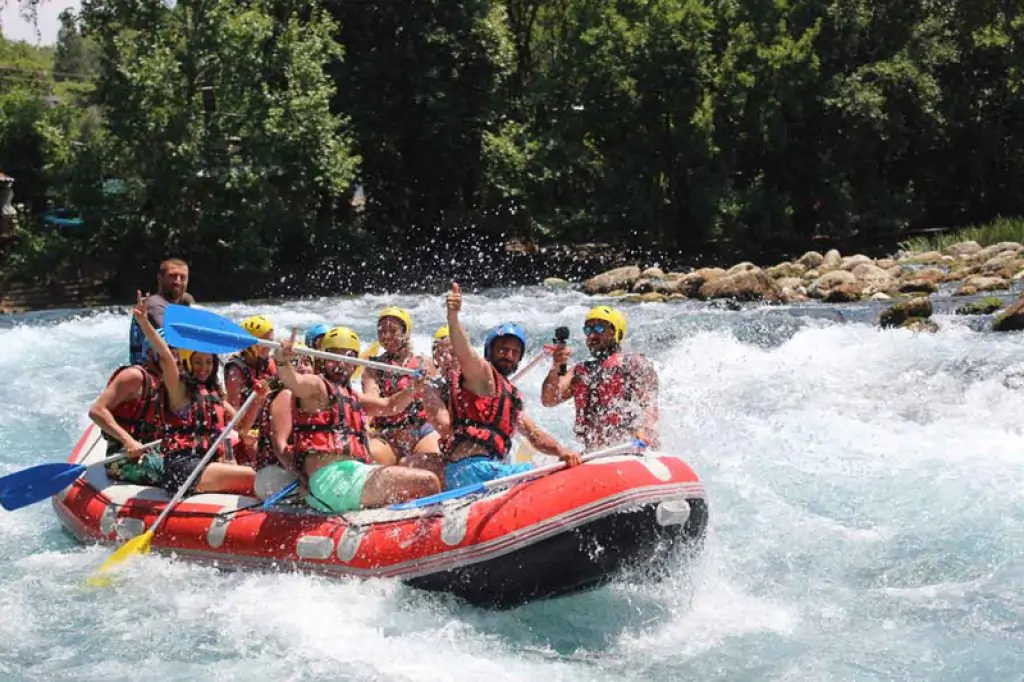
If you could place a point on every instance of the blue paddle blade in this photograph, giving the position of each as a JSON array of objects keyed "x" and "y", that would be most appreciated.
[
  {"x": 203, "y": 331},
  {"x": 280, "y": 495},
  {"x": 39, "y": 489},
  {"x": 440, "y": 497},
  {"x": 32, "y": 475}
]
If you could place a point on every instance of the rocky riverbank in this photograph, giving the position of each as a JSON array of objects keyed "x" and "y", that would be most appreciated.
[{"x": 833, "y": 278}]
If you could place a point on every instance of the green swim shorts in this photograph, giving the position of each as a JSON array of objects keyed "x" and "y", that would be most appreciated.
[
  {"x": 338, "y": 487},
  {"x": 149, "y": 470}
]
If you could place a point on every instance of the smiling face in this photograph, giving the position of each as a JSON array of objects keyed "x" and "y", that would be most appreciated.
[
  {"x": 339, "y": 372},
  {"x": 506, "y": 352},
  {"x": 600, "y": 337},
  {"x": 203, "y": 366},
  {"x": 443, "y": 356},
  {"x": 391, "y": 334}
]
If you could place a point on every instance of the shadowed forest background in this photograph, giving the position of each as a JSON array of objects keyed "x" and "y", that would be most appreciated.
[{"x": 417, "y": 138}]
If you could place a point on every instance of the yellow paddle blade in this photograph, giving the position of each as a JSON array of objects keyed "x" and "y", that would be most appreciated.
[
  {"x": 137, "y": 545},
  {"x": 374, "y": 349}
]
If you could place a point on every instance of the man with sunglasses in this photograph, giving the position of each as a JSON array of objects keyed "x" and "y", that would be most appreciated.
[{"x": 616, "y": 393}]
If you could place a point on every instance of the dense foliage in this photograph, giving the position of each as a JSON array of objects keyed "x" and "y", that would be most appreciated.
[{"x": 236, "y": 133}]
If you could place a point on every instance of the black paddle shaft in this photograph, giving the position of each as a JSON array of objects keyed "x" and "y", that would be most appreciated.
[{"x": 561, "y": 336}]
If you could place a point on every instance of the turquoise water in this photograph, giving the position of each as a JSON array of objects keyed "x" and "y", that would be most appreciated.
[{"x": 867, "y": 519}]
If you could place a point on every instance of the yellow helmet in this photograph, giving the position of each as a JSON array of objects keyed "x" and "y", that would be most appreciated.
[
  {"x": 340, "y": 338},
  {"x": 612, "y": 317},
  {"x": 399, "y": 313},
  {"x": 442, "y": 333},
  {"x": 258, "y": 325}
]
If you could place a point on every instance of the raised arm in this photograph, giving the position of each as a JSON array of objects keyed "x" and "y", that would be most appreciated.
[
  {"x": 306, "y": 387},
  {"x": 475, "y": 370},
  {"x": 176, "y": 394},
  {"x": 557, "y": 389}
]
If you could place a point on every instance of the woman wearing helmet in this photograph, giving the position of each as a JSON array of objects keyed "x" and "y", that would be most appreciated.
[
  {"x": 485, "y": 408},
  {"x": 195, "y": 413},
  {"x": 616, "y": 393},
  {"x": 409, "y": 438},
  {"x": 252, "y": 365},
  {"x": 329, "y": 449}
]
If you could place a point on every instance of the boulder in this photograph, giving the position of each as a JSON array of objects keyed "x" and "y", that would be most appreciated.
[
  {"x": 786, "y": 269},
  {"x": 985, "y": 306},
  {"x": 1011, "y": 319},
  {"x": 976, "y": 283},
  {"x": 556, "y": 283},
  {"x": 820, "y": 287},
  {"x": 652, "y": 273},
  {"x": 869, "y": 273},
  {"x": 850, "y": 262},
  {"x": 619, "y": 278},
  {"x": 846, "y": 292},
  {"x": 917, "y": 286},
  {"x": 880, "y": 296},
  {"x": 745, "y": 266},
  {"x": 689, "y": 285},
  {"x": 961, "y": 249},
  {"x": 922, "y": 258},
  {"x": 650, "y": 297},
  {"x": 896, "y": 315},
  {"x": 832, "y": 260},
  {"x": 885, "y": 263},
  {"x": 747, "y": 285},
  {"x": 794, "y": 295},
  {"x": 920, "y": 324},
  {"x": 995, "y": 249},
  {"x": 790, "y": 283},
  {"x": 811, "y": 260}
]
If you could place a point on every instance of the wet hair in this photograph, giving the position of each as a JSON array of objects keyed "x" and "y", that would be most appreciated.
[{"x": 212, "y": 383}]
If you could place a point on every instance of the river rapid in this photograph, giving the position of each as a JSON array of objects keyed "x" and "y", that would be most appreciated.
[{"x": 866, "y": 494}]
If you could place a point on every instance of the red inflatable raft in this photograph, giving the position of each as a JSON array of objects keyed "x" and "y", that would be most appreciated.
[{"x": 564, "y": 532}]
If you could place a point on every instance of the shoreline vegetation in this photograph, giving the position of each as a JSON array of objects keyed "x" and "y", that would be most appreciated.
[{"x": 314, "y": 147}]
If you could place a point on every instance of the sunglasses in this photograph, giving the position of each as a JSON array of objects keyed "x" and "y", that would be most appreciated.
[{"x": 598, "y": 328}]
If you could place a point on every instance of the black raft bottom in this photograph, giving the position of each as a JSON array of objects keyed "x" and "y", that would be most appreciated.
[{"x": 579, "y": 559}]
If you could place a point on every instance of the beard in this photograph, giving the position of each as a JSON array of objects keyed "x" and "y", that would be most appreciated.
[{"x": 505, "y": 367}]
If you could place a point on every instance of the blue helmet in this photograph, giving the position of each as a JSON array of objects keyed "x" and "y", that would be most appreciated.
[
  {"x": 315, "y": 332},
  {"x": 508, "y": 329}
]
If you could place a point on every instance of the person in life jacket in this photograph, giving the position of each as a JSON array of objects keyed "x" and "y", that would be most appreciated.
[
  {"x": 252, "y": 365},
  {"x": 616, "y": 393},
  {"x": 130, "y": 412},
  {"x": 409, "y": 438},
  {"x": 485, "y": 408},
  {"x": 329, "y": 448},
  {"x": 195, "y": 413},
  {"x": 444, "y": 359},
  {"x": 274, "y": 429},
  {"x": 245, "y": 370},
  {"x": 315, "y": 333}
]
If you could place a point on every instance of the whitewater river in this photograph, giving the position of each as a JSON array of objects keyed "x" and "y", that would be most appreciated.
[{"x": 866, "y": 496}]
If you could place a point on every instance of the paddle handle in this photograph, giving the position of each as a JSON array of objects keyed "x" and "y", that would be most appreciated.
[
  {"x": 530, "y": 365},
  {"x": 324, "y": 355},
  {"x": 487, "y": 486},
  {"x": 550, "y": 468},
  {"x": 202, "y": 463},
  {"x": 124, "y": 455}
]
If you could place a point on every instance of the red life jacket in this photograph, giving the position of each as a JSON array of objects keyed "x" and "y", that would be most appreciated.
[
  {"x": 602, "y": 391},
  {"x": 141, "y": 417},
  {"x": 195, "y": 431},
  {"x": 265, "y": 369},
  {"x": 485, "y": 420},
  {"x": 339, "y": 428},
  {"x": 390, "y": 383}
]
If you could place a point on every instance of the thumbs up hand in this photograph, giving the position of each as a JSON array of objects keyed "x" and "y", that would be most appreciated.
[{"x": 454, "y": 301}]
